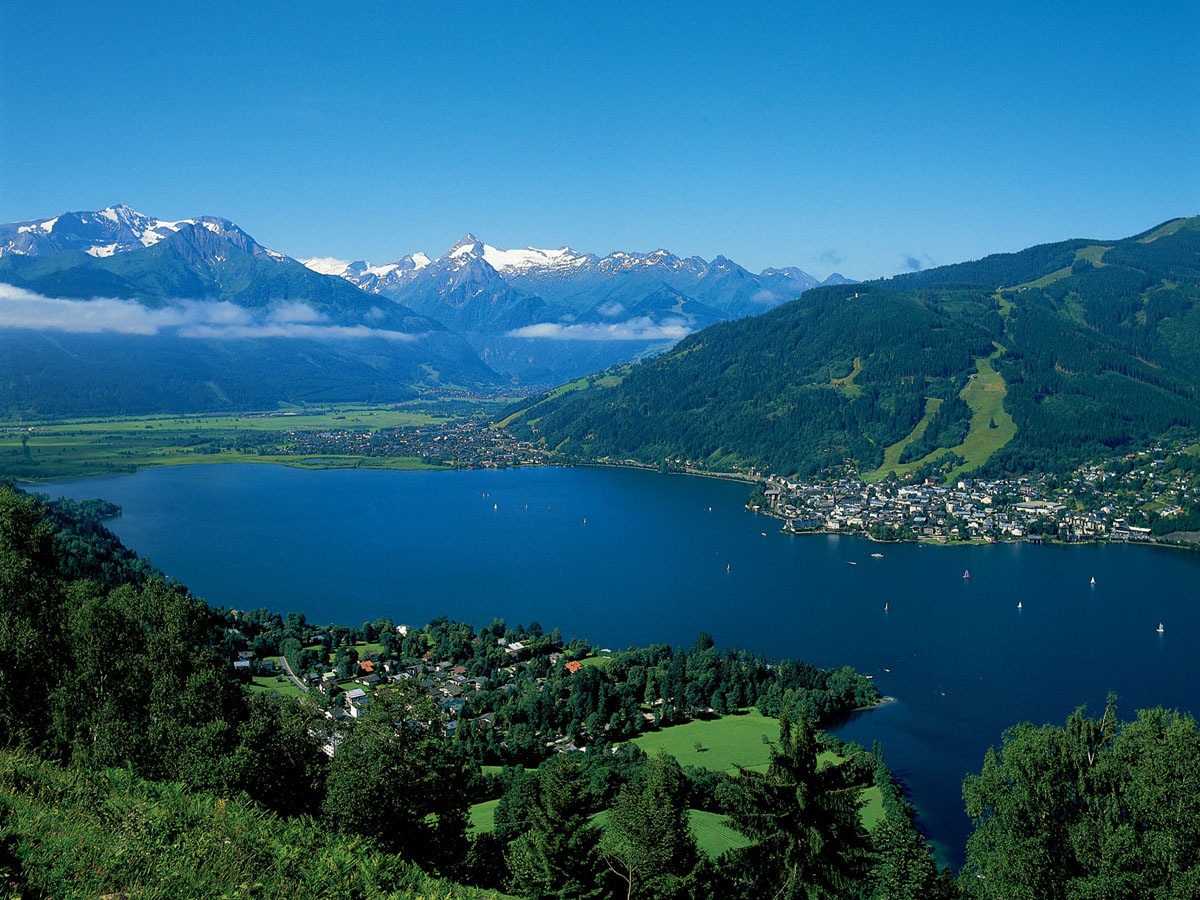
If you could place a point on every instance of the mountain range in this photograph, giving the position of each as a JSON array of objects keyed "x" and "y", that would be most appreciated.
[
  {"x": 1018, "y": 362},
  {"x": 115, "y": 312},
  {"x": 106, "y": 302},
  {"x": 545, "y": 316}
]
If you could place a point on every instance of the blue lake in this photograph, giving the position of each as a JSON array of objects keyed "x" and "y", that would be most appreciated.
[{"x": 626, "y": 558}]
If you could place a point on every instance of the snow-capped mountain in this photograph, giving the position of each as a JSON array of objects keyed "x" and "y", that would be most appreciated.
[
  {"x": 115, "y": 311},
  {"x": 537, "y": 316},
  {"x": 117, "y": 229},
  {"x": 531, "y": 312},
  {"x": 574, "y": 278}
]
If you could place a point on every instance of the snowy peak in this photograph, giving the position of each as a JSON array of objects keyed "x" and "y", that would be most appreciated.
[
  {"x": 511, "y": 262},
  {"x": 115, "y": 229},
  {"x": 385, "y": 279},
  {"x": 329, "y": 265},
  {"x": 468, "y": 245},
  {"x": 361, "y": 269}
]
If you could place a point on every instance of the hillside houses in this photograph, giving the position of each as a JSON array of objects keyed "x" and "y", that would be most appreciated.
[{"x": 1117, "y": 500}]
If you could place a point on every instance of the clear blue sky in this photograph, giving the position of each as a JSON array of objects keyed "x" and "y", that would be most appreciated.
[{"x": 867, "y": 138}]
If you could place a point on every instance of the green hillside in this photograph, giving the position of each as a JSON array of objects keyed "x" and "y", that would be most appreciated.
[{"x": 1016, "y": 362}]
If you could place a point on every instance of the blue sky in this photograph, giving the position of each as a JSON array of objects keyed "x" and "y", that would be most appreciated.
[{"x": 866, "y": 138}]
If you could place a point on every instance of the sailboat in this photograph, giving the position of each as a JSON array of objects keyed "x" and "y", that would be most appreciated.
[
  {"x": 1093, "y": 581},
  {"x": 885, "y": 606},
  {"x": 966, "y": 573},
  {"x": 1159, "y": 629},
  {"x": 1018, "y": 604}
]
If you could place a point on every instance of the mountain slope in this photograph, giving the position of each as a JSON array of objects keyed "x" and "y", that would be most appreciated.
[
  {"x": 1097, "y": 345},
  {"x": 199, "y": 316}
]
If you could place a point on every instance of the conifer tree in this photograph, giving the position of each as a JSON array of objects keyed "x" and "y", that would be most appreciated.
[
  {"x": 558, "y": 853},
  {"x": 804, "y": 821}
]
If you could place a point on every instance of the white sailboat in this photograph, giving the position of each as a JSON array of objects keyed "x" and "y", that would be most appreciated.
[{"x": 1159, "y": 629}]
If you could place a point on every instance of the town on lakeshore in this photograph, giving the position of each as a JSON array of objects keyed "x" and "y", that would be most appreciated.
[{"x": 1140, "y": 496}]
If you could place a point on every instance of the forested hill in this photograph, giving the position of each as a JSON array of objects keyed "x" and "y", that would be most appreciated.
[{"x": 1023, "y": 361}]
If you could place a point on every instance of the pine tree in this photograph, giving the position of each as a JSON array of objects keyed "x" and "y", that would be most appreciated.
[
  {"x": 557, "y": 854},
  {"x": 647, "y": 843},
  {"x": 803, "y": 818}
]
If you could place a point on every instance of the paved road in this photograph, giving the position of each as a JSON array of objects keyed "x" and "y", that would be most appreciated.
[{"x": 290, "y": 674}]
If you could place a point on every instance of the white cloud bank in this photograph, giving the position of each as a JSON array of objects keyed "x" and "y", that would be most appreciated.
[
  {"x": 639, "y": 329},
  {"x": 187, "y": 318}
]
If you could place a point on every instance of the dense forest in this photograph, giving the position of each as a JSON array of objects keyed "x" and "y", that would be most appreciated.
[
  {"x": 1097, "y": 343},
  {"x": 136, "y": 760}
]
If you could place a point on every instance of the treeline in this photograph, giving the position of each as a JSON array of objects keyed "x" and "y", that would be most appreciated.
[
  {"x": 774, "y": 391},
  {"x": 997, "y": 269},
  {"x": 1100, "y": 360}
]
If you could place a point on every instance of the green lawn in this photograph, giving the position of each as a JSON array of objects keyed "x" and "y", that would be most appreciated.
[
  {"x": 725, "y": 743},
  {"x": 272, "y": 684},
  {"x": 891, "y": 455},
  {"x": 482, "y": 817},
  {"x": 713, "y": 835},
  {"x": 847, "y": 386}
]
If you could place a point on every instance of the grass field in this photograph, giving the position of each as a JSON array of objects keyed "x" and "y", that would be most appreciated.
[
  {"x": 724, "y": 743},
  {"x": 985, "y": 394},
  {"x": 59, "y": 449},
  {"x": 482, "y": 817},
  {"x": 272, "y": 684},
  {"x": 891, "y": 456},
  {"x": 579, "y": 384}
]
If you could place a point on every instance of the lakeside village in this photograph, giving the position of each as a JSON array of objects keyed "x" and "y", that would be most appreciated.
[
  {"x": 519, "y": 695},
  {"x": 1145, "y": 496}
]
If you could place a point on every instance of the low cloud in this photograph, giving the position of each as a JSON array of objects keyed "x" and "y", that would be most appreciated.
[
  {"x": 764, "y": 297},
  {"x": 916, "y": 264},
  {"x": 611, "y": 309},
  {"x": 187, "y": 318},
  {"x": 639, "y": 329}
]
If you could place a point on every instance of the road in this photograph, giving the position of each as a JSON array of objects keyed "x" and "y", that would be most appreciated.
[{"x": 290, "y": 674}]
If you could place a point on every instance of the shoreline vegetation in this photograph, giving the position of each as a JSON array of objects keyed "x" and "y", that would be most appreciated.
[
  {"x": 428, "y": 706},
  {"x": 149, "y": 741},
  {"x": 1151, "y": 497}
]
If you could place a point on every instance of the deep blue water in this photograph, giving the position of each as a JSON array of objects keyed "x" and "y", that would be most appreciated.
[{"x": 625, "y": 558}]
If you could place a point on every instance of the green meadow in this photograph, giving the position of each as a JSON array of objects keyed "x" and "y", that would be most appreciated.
[
  {"x": 71, "y": 447},
  {"x": 720, "y": 745},
  {"x": 990, "y": 429}
]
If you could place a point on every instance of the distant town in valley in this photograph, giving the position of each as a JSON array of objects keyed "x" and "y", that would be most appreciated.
[{"x": 1142, "y": 496}]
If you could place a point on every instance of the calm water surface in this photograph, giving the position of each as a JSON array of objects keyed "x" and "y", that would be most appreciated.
[{"x": 626, "y": 558}]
